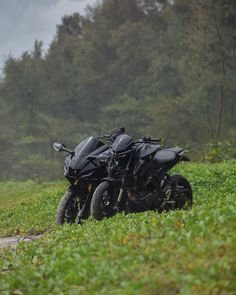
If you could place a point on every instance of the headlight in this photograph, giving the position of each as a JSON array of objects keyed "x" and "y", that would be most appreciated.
[{"x": 116, "y": 163}]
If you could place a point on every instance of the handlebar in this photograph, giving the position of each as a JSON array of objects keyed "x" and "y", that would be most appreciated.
[
  {"x": 113, "y": 136},
  {"x": 148, "y": 139},
  {"x": 155, "y": 139}
]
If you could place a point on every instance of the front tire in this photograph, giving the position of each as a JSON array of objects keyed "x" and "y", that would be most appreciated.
[
  {"x": 67, "y": 209},
  {"x": 103, "y": 201}
]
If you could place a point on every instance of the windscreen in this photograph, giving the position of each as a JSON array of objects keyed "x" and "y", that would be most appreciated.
[{"x": 87, "y": 146}]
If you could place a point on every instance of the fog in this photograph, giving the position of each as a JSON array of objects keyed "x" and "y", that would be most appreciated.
[{"x": 24, "y": 21}]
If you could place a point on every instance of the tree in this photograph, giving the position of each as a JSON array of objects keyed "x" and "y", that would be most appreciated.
[
  {"x": 23, "y": 89},
  {"x": 210, "y": 63}
]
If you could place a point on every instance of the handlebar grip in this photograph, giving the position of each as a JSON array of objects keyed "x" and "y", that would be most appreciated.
[{"x": 149, "y": 138}]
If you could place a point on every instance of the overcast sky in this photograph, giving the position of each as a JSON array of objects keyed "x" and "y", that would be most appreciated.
[{"x": 24, "y": 21}]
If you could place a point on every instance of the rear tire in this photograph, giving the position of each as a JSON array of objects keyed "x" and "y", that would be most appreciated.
[
  {"x": 183, "y": 199},
  {"x": 67, "y": 209},
  {"x": 102, "y": 203}
]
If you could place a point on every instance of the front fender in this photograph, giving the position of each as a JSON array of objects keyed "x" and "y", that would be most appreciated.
[{"x": 111, "y": 179}]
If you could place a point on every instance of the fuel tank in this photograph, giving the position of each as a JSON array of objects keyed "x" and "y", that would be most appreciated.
[{"x": 122, "y": 143}]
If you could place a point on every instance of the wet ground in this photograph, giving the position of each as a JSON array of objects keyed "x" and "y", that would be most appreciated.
[{"x": 12, "y": 241}]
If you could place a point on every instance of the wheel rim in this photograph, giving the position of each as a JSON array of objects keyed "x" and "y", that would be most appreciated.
[
  {"x": 107, "y": 203},
  {"x": 71, "y": 211},
  {"x": 182, "y": 196}
]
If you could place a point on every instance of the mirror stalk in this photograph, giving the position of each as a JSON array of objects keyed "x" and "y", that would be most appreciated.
[{"x": 59, "y": 147}]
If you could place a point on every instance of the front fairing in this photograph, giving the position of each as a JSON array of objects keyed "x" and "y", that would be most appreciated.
[{"x": 78, "y": 164}]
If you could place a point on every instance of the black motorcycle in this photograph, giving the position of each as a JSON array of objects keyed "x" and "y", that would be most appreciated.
[
  {"x": 84, "y": 168},
  {"x": 138, "y": 179}
]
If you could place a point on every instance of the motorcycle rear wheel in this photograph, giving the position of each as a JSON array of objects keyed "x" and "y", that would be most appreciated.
[{"x": 183, "y": 195}]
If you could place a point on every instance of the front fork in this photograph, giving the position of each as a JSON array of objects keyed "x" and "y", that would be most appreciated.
[
  {"x": 123, "y": 183},
  {"x": 120, "y": 195},
  {"x": 76, "y": 190},
  {"x": 81, "y": 211}
]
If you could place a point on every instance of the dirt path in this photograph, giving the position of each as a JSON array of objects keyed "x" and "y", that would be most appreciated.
[{"x": 12, "y": 241}]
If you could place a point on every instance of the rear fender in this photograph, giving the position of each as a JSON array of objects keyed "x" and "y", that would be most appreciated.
[
  {"x": 182, "y": 157},
  {"x": 185, "y": 159}
]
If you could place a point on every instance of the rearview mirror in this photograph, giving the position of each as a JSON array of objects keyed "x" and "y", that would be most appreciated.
[{"x": 59, "y": 146}]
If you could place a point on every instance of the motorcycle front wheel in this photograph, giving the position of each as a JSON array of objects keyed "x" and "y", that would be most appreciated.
[
  {"x": 68, "y": 208},
  {"x": 104, "y": 201}
]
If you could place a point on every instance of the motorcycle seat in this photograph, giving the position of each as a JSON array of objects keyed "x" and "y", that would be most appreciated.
[
  {"x": 177, "y": 150},
  {"x": 167, "y": 155}
]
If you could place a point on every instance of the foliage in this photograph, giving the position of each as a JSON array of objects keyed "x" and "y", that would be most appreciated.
[
  {"x": 162, "y": 68},
  {"x": 181, "y": 252},
  {"x": 220, "y": 152}
]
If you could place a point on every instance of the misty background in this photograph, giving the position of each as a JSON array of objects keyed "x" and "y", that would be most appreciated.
[
  {"x": 24, "y": 21},
  {"x": 157, "y": 67}
]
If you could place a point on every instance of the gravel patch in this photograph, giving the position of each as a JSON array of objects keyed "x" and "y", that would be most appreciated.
[{"x": 12, "y": 241}]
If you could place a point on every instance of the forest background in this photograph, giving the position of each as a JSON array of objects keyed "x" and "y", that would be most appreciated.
[{"x": 158, "y": 67}]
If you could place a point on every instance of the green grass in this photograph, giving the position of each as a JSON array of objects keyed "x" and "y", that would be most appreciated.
[
  {"x": 28, "y": 207},
  {"x": 181, "y": 252}
]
